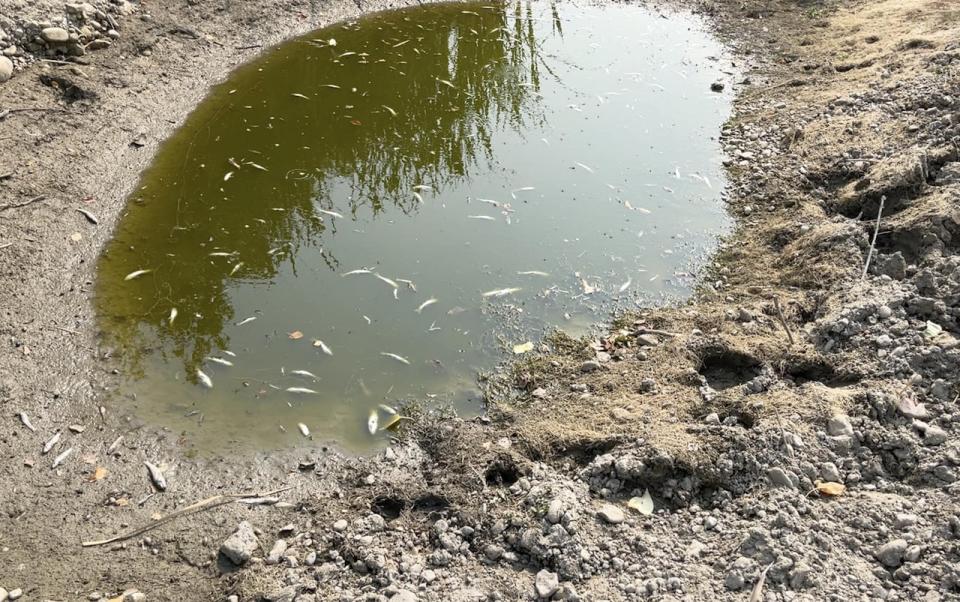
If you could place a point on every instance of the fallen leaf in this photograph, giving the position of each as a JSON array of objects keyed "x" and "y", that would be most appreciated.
[
  {"x": 296, "y": 334},
  {"x": 642, "y": 504},
  {"x": 523, "y": 348},
  {"x": 829, "y": 488},
  {"x": 98, "y": 474}
]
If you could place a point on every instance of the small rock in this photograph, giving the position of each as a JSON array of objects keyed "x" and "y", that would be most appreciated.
[
  {"x": 555, "y": 511},
  {"x": 493, "y": 552},
  {"x": 891, "y": 554},
  {"x": 240, "y": 546},
  {"x": 404, "y": 596},
  {"x": 6, "y": 69},
  {"x": 648, "y": 340},
  {"x": 55, "y": 35},
  {"x": 717, "y": 87},
  {"x": 611, "y": 514},
  {"x": 546, "y": 584},
  {"x": 905, "y": 521},
  {"x": 830, "y": 472},
  {"x": 934, "y": 436},
  {"x": 279, "y": 547},
  {"x": 340, "y": 526},
  {"x": 590, "y": 366},
  {"x": 779, "y": 477},
  {"x": 839, "y": 426}
]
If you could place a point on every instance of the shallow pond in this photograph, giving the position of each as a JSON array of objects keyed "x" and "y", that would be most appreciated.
[{"x": 382, "y": 209}]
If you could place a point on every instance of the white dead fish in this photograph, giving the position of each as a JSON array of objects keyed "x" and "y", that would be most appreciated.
[
  {"x": 230, "y": 353},
  {"x": 330, "y": 213},
  {"x": 26, "y": 421},
  {"x": 446, "y": 83},
  {"x": 372, "y": 421},
  {"x": 399, "y": 358},
  {"x": 501, "y": 292},
  {"x": 369, "y": 321},
  {"x": 514, "y": 192},
  {"x": 703, "y": 179},
  {"x": 136, "y": 274},
  {"x": 50, "y": 443},
  {"x": 355, "y": 272},
  {"x": 392, "y": 112},
  {"x": 173, "y": 316},
  {"x": 409, "y": 283},
  {"x": 159, "y": 481},
  {"x": 63, "y": 456},
  {"x": 323, "y": 346},
  {"x": 387, "y": 280},
  {"x": 423, "y": 187},
  {"x": 425, "y": 305},
  {"x": 335, "y": 86},
  {"x": 396, "y": 294},
  {"x": 220, "y": 254},
  {"x": 204, "y": 379},
  {"x": 584, "y": 166},
  {"x": 301, "y": 390},
  {"x": 588, "y": 289},
  {"x": 303, "y": 429},
  {"x": 533, "y": 273},
  {"x": 483, "y": 217},
  {"x": 490, "y": 202},
  {"x": 235, "y": 268},
  {"x": 387, "y": 408},
  {"x": 246, "y": 321},
  {"x": 257, "y": 166},
  {"x": 90, "y": 217},
  {"x": 227, "y": 176},
  {"x": 306, "y": 373},
  {"x": 218, "y": 360},
  {"x": 626, "y": 284},
  {"x": 298, "y": 95},
  {"x": 417, "y": 196},
  {"x": 433, "y": 327}
]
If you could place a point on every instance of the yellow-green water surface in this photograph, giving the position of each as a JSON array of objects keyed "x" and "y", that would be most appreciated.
[{"x": 380, "y": 210}]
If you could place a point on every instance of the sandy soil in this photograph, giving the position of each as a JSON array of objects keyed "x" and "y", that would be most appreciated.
[{"x": 790, "y": 374}]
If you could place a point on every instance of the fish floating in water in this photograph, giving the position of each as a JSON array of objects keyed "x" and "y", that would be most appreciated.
[
  {"x": 173, "y": 316},
  {"x": 300, "y": 390},
  {"x": 218, "y": 360},
  {"x": 303, "y": 429},
  {"x": 246, "y": 321},
  {"x": 298, "y": 95},
  {"x": 399, "y": 358},
  {"x": 425, "y": 305},
  {"x": 514, "y": 192},
  {"x": 409, "y": 283},
  {"x": 483, "y": 217},
  {"x": 355, "y": 272},
  {"x": 230, "y": 353},
  {"x": 323, "y": 346},
  {"x": 221, "y": 254},
  {"x": 330, "y": 213},
  {"x": 306, "y": 373},
  {"x": 387, "y": 280},
  {"x": 446, "y": 83},
  {"x": 417, "y": 196},
  {"x": 584, "y": 166},
  {"x": 501, "y": 292},
  {"x": 533, "y": 273},
  {"x": 391, "y": 111},
  {"x": 372, "y": 421},
  {"x": 257, "y": 166},
  {"x": 204, "y": 379},
  {"x": 626, "y": 284},
  {"x": 136, "y": 274},
  {"x": 235, "y": 268}
]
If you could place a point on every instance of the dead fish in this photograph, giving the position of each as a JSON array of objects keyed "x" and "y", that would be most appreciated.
[
  {"x": 90, "y": 217},
  {"x": 387, "y": 280},
  {"x": 298, "y": 95},
  {"x": 246, "y": 321},
  {"x": 335, "y": 86},
  {"x": 136, "y": 274},
  {"x": 204, "y": 379},
  {"x": 501, "y": 292},
  {"x": 220, "y": 254},
  {"x": 446, "y": 83},
  {"x": 227, "y": 176},
  {"x": 323, "y": 346},
  {"x": 391, "y": 111},
  {"x": 26, "y": 421},
  {"x": 586, "y": 167},
  {"x": 399, "y": 358},
  {"x": 159, "y": 481},
  {"x": 355, "y": 272},
  {"x": 50, "y": 443},
  {"x": 230, "y": 353},
  {"x": 490, "y": 202},
  {"x": 387, "y": 409},
  {"x": 330, "y": 213},
  {"x": 409, "y": 283},
  {"x": 433, "y": 327},
  {"x": 369, "y": 321},
  {"x": 396, "y": 294},
  {"x": 423, "y": 187},
  {"x": 63, "y": 456},
  {"x": 173, "y": 316},
  {"x": 533, "y": 273},
  {"x": 417, "y": 196},
  {"x": 218, "y": 360},
  {"x": 372, "y": 421},
  {"x": 588, "y": 289},
  {"x": 233, "y": 162},
  {"x": 425, "y": 304},
  {"x": 257, "y": 166},
  {"x": 514, "y": 192},
  {"x": 235, "y": 268},
  {"x": 483, "y": 217},
  {"x": 303, "y": 429},
  {"x": 306, "y": 373},
  {"x": 703, "y": 179},
  {"x": 302, "y": 390},
  {"x": 626, "y": 284}
]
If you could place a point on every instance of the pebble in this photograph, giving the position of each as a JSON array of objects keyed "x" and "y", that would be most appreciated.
[
  {"x": 340, "y": 526},
  {"x": 779, "y": 477},
  {"x": 934, "y": 436},
  {"x": 241, "y": 545},
  {"x": 839, "y": 426},
  {"x": 15, "y": 594},
  {"x": 891, "y": 554},
  {"x": 590, "y": 366},
  {"x": 555, "y": 511},
  {"x": 6, "y": 69},
  {"x": 279, "y": 547},
  {"x": 611, "y": 514},
  {"x": 55, "y": 35},
  {"x": 404, "y": 596},
  {"x": 546, "y": 583}
]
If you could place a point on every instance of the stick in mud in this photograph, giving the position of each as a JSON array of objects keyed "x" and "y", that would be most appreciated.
[{"x": 873, "y": 243}]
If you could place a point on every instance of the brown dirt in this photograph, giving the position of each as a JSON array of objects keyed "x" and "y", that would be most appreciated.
[{"x": 804, "y": 219}]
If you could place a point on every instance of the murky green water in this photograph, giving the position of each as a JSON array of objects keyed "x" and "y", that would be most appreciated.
[{"x": 559, "y": 155}]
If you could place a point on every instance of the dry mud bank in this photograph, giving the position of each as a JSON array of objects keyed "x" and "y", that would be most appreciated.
[{"x": 791, "y": 372}]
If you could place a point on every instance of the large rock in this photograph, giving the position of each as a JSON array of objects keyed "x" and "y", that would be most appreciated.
[
  {"x": 891, "y": 554},
  {"x": 546, "y": 584},
  {"x": 611, "y": 514},
  {"x": 55, "y": 35},
  {"x": 240, "y": 546},
  {"x": 6, "y": 69}
]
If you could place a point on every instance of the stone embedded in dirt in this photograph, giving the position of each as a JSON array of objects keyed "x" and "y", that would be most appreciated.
[
  {"x": 611, "y": 514},
  {"x": 404, "y": 596},
  {"x": 6, "y": 69},
  {"x": 590, "y": 366},
  {"x": 648, "y": 340},
  {"x": 839, "y": 426},
  {"x": 891, "y": 554},
  {"x": 781, "y": 478},
  {"x": 340, "y": 526},
  {"x": 555, "y": 511},
  {"x": 934, "y": 436},
  {"x": 240, "y": 546},
  {"x": 55, "y": 35},
  {"x": 279, "y": 547},
  {"x": 546, "y": 584}
]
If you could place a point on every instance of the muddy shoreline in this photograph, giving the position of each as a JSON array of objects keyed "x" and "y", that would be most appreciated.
[{"x": 790, "y": 369}]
